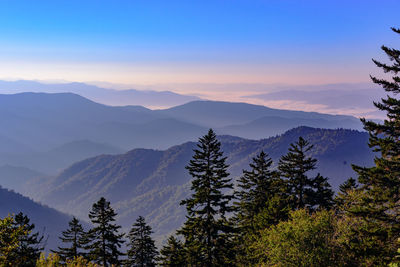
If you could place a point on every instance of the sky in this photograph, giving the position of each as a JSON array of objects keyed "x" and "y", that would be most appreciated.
[
  {"x": 233, "y": 50},
  {"x": 160, "y": 42}
]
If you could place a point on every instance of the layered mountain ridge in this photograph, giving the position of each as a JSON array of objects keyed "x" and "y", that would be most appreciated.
[
  {"x": 35, "y": 124},
  {"x": 67, "y": 151},
  {"x": 151, "y": 182}
]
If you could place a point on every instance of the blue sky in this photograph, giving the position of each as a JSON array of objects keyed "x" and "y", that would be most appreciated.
[{"x": 156, "y": 42}]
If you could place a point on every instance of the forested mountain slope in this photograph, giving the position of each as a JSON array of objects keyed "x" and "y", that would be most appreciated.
[{"x": 151, "y": 183}]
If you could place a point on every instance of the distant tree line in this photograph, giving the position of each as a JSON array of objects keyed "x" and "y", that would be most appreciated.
[
  {"x": 99, "y": 246},
  {"x": 276, "y": 215}
]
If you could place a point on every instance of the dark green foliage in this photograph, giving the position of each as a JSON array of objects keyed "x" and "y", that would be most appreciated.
[
  {"x": 10, "y": 234},
  {"x": 172, "y": 253},
  {"x": 30, "y": 245},
  {"x": 261, "y": 203},
  {"x": 256, "y": 188},
  {"x": 302, "y": 191},
  {"x": 377, "y": 206},
  {"x": 76, "y": 236},
  {"x": 322, "y": 194},
  {"x": 207, "y": 230},
  {"x": 343, "y": 196},
  {"x": 142, "y": 251},
  {"x": 349, "y": 184},
  {"x": 104, "y": 239}
]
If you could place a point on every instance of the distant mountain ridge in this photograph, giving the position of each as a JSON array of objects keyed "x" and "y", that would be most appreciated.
[
  {"x": 219, "y": 114},
  {"x": 34, "y": 124},
  {"x": 148, "y": 98},
  {"x": 151, "y": 183},
  {"x": 270, "y": 125}
]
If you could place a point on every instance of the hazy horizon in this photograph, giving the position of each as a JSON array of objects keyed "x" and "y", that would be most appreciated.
[{"x": 323, "y": 98}]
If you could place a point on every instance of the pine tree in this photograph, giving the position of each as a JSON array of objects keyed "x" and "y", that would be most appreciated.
[
  {"x": 207, "y": 231},
  {"x": 379, "y": 193},
  {"x": 142, "y": 251},
  {"x": 30, "y": 244},
  {"x": 104, "y": 239},
  {"x": 256, "y": 188},
  {"x": 344, "y": 190},
  {"x": 322, "y": 194},
  {"x": 75, "y": 235},
  {"x": 10, "y": 236},
  {"x": 172, "y": 253},
  {"x": 304, "y": 192},
  {"x": 349, "y": 184}
]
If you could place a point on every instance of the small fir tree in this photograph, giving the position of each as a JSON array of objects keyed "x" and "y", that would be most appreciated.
[
  {"x": 207, "y": 231},
  {"x": 76, "y": 236},
  {"x": 303, "y": 191},
  {"x": 142, "y": 251},
  {"x": 257, "y": 187},
  {"x": 259, "y": 204},
  {"x": 349, "y": 184},
  {"x": 322, "y": 194},
  {"x": 172, "y": 253},
  {"x": 345, "y": 189},
  {"x": 30, "y": 245},
  {"x": 104, "y": 239},
  {"x": 10, "y": 236}
]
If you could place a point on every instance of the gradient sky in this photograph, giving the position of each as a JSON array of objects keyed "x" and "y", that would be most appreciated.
[{"x": 166, "y": 41}]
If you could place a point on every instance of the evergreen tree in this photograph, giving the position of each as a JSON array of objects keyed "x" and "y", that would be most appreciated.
[
  {"x": 379, "y": 192},
  {"x": 256, "y": 188},
  {"x": 172, "y": 253},
  {"x": 207, "y": 230},
  {"x": 261, "y": 203},
  {"x": 345, "y": 189},
  {"x": 76, "y": 236},
  {"x": 349, "y": 184},
  {"x": 304, "y": 192},
  {"x": 10, "y": 236},
  {"x": 142, "y": 251},
  {"x": 322, "y": 194},
  {"x": 104, "y": 239},
  {"x": 30, "y": 244}
]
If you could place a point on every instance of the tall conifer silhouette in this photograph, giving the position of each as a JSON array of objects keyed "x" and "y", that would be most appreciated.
[
  {"x": 142, "y": 251},
  {"x": 304, "y": 191},
  {"x": 104, "y": 239},
  {"x": 75, "y": 236},
  {"x": 207, "y": 231}
]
